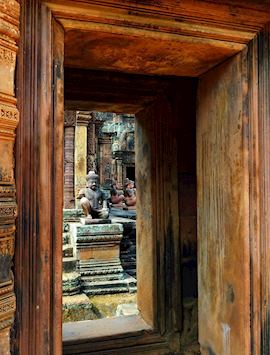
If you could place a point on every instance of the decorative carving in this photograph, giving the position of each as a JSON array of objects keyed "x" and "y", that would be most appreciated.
[
  {"x": 9, "y": 20},
  {"x": 69, "y": 137},
  {"x": 5, "y": 175},
  {"x": 6, "y": 255},
  {"x": 7, "y": 246},
  {"x": 6, "y": 231},
  {"x": 83, "y": 118},
  {"x": 7, "y": 29},
  {"x": 9, "y": 112},
  {"x": 7, "y": 308},
  {"x": 7, "y": 56},
  {"x": 9, "y": 117},
  {"x": 91, "y": 146},
  {"x": 8, "y": 211},
  {"x": 70, "y": 118},
  {"x": 97, "y": 238},
  {"x": 6, "y": 288},
  {"x": 7, "y": 322},
  {"x": 7, "y": 192}
]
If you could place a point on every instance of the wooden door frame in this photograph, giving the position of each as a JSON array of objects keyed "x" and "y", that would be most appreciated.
[
  {"x": 38, "y": 271},
  {"x": 37, "y": 333},
  {"x": 40, "y": 212}
]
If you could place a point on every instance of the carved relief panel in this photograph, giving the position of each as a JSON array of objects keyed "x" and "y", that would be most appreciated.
[
  {"x": 9, "y": 116},
  {"x": 69, "y": 146}
]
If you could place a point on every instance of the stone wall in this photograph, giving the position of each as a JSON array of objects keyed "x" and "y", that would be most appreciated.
[
  {"x": 115, "y": 150},
  {"x": 9, "y": 116}
]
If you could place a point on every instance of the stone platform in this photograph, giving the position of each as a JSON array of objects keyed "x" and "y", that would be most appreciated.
[
  {"x": 98, "y": 259},
  {"x": 79, "y": 307},
  {"x": 71, "y": 283},
  {"x": 87, "y": 220},
  {"x": 122, "y": 213}
]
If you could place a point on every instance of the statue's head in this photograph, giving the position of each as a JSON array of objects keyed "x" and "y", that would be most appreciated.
[
  {"x": 92, "y": 180},
  {"x": 129, "y": 184}
]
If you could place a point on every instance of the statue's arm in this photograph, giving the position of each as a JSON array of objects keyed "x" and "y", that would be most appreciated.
[{"x": 81, "y": 194}]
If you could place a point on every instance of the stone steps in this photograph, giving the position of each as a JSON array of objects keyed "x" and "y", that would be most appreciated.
[
  {"x": 71, "y": 283},
  {"x": 102, "y": 287}
]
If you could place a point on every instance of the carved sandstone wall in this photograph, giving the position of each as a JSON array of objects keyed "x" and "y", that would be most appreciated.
[{"x": 9, "y": 116}]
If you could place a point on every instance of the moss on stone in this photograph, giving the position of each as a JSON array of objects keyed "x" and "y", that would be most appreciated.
[{"x": 106, "y": 305}]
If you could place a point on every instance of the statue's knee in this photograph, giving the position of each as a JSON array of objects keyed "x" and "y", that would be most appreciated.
[{"x": 84, "y": 202}]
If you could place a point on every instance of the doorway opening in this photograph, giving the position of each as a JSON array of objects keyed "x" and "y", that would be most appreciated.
[
  {"x": 130, "y": 172},
  {"x": 165, "y": 144},
  {"x": 99, "y": 252}
]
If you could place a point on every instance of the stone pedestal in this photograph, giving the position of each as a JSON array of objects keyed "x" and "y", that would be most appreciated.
[
  {"x": 98, "y": 258},
  {"x": 128, "y": 245},
  {"x": 72, "y": 215},
  {"x": 71, "y": 281}
]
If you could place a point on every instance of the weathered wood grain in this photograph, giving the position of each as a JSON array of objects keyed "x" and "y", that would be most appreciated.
[
  {"x": 262, "y": 255},
  {"x": 26, "y": 155},
  {"x": 183, "y": 38},
  {"x": 223, "y": 209},
  {"x": 57, "y": 178},
  {"x": 40, "y": 135}
]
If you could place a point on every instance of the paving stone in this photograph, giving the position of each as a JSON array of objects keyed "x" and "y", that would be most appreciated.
[{"x": 76, "y": 308}]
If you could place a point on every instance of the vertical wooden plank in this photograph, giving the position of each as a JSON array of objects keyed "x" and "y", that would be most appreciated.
[
  {"x": 223, "y": 209},
  {"x": 254, "y": 208},
  {"x": 26, "y": 155},
  {"x": 158, "y": 241},
  {"x": 45, "y": 188},
  {"x": 58, "y": 183},
  {"x": 264, "y": 183},
  {"x": 145, "y": 231},
  {"x": 40, "y": 148}
]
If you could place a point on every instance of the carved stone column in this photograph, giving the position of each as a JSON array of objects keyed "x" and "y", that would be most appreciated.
[
  {"x": 98, "y": 134},
  {"x": 9, "y": 116},
  {"x": 69, "y": 143},
  {"x": 82, "y": 119},
  {"x": 91, "y": 146},
  {"x": 119, "y": 168},
  {"x": 105, "y": 155}
]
